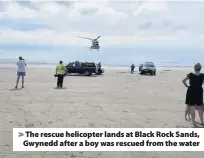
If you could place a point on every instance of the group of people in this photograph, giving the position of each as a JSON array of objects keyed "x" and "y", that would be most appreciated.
[
  {"x": 21, "y": 72},
  {"x": 61, "y": 71},
  {"x": 194, "y": 94}
]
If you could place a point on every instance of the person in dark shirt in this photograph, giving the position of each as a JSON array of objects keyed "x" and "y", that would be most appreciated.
[
  {"x": 99, "y": 65},
  {"x": 132, "y": 68},
  {"x": 99, "y": 68},
  {"x": 194, "y": 95}
]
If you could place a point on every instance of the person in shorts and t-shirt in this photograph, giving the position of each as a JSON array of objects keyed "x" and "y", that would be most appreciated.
[{"x": 21, "y": 64}]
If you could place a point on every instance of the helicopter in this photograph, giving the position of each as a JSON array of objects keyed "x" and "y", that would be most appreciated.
[{"x": 95, "y": 43}]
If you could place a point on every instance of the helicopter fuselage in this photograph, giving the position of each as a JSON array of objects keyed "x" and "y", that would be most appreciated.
[{"x": 95, "y": 45}]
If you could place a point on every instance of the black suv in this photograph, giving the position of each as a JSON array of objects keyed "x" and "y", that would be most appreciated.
[
  {"x": 148, "y": 67},
  {"x": 85, "y": 68}
]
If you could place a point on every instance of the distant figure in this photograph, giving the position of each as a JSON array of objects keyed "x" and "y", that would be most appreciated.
[
  {"x": 60, "y": 72},
  {"x": 99, "y": 68},
  {"x": 194, "y": 95},
  {"x": 77, "y": 63},
  {"x": 99, "y": 65},
  {"x": 20, "y": 71},
  {"x": 140, "y": 67},
  {"x": 132, "y": 68}
]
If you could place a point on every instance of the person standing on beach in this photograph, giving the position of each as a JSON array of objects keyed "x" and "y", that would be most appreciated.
[
  {"x": 194, "y": 95},
  {"x": 21, "y": 64},
  {"x": 132, "y": 68},
  {"x": 60, "y": 72}
]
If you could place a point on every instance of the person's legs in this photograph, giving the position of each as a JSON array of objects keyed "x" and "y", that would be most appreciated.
[
  {"x": 193, "y": 113},
  {"x": 17, "y": 81},
  {"x": 62, "y": 80},
  {"x": 58, "y": 80},
  {"x": 187, "y": 112},
  {"x": 200, "y": 113},
  {"x": 22, "y": 81},
  {"x": 18, "y": 77},
  {"x": 23, "y": 78}
]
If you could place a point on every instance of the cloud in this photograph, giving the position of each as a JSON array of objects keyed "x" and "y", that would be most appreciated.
[
  {"x": 22, "y": 25},
  {"x": 88, "y": 11},
  {"x": 146, "y": 25},
  {"x": 119, "y": 23},
  {"x": 149, "y": 7}
]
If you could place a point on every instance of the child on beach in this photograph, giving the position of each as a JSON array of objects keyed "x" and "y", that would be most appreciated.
[{"x": 194, "y": 95}]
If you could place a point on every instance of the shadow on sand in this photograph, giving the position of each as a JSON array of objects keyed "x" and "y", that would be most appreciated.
[
  {"x": 147, "y": 75},
  {"x": 198, "y": 125},
  {"x": 82, "y": 75},
  {"x": 58, "y": 88},
  {"x": 15, "y": 89}
]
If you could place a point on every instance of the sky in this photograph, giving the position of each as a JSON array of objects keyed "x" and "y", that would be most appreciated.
[{"x": 131, "y": 31}]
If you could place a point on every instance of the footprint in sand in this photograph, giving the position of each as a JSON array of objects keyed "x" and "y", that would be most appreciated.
[
  {"x": 92, "y": 125},
  {"x": 29, "y": 125},
  {"x": 72, "y": 155},
  {"x": 177, "y": 126}
]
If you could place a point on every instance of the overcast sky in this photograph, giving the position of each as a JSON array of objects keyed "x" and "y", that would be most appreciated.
[{"x": 157, "y": 26}]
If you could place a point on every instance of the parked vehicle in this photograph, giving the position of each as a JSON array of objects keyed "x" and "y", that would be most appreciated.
[
  {"x": 148, "y": 68},
  {"x": 85, "y": 68}
]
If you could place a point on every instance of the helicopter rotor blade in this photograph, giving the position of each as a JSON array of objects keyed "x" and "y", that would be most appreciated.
[
  {"x": 98, "y": 37},
  {"x": 85, "y": 38}
]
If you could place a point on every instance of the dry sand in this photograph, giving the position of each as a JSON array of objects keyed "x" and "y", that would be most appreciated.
[{"x": 111, "y": 100}]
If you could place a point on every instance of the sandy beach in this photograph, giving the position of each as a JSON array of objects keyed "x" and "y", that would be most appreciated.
[{"x": 115, "y": 99}]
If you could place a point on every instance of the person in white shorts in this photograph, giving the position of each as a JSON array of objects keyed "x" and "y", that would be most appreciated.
[{"x": 21, "y": 64}]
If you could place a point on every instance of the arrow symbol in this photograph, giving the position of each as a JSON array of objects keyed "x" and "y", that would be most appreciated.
[{"x": 20, "y": 134}]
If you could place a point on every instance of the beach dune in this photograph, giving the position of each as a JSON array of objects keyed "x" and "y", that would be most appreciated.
[{"x": 114, "y": 99}]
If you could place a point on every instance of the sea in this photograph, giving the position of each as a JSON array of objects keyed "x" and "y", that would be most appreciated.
[
  {"x": 45, "y": 64},
  {"x": 108, "y": 58}
]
